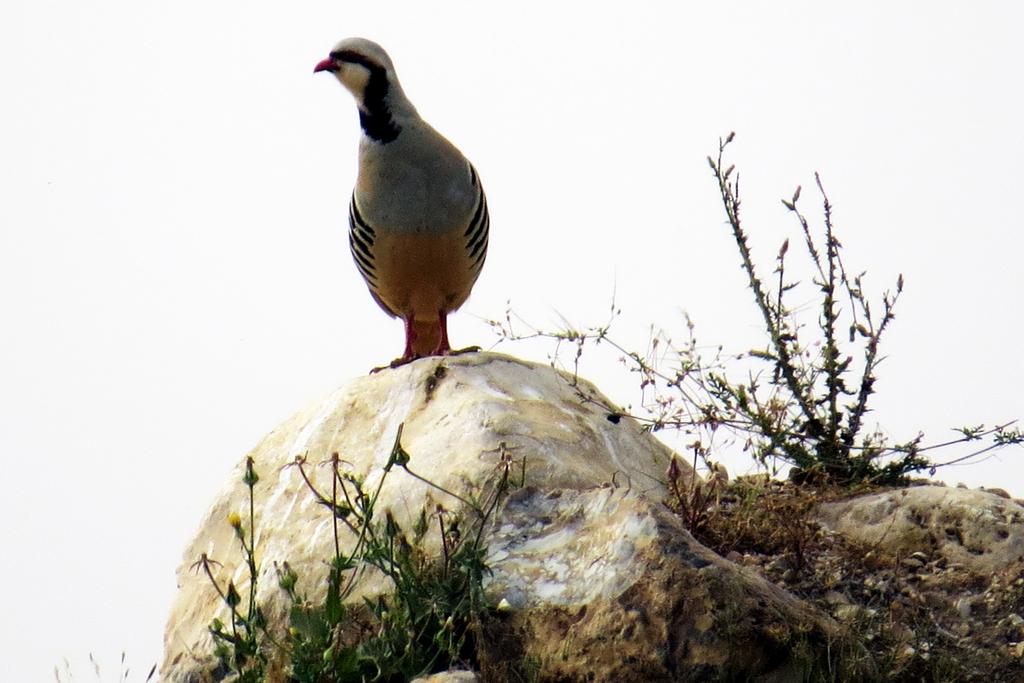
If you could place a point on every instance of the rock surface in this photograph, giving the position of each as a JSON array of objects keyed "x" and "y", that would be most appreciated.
[
  {"x": 922, "y": 616},
  {"x": 981, "y": 530},
  {"x": 459, "y": 414},
  {"x": 597, "y": 579},
  {"x": 607, "y": 585},
  {"x": 449, "y": 677}
]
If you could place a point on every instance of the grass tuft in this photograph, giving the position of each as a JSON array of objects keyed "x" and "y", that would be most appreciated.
[{"x": 428, "y": 622}]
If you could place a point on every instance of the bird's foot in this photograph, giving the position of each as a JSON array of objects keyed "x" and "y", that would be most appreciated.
[
  {"x": 399, "y": 362},
  {"x": 459, "y": 352},
  {"x": 396, "y": 363}
]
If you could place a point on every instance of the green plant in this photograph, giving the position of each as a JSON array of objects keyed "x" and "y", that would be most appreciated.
[
  {"x": 238, "y": 646},
  {"x": 426, "y": 623}
]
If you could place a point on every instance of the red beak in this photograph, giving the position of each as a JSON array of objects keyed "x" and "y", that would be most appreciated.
[{"x": 325, "y": 65}]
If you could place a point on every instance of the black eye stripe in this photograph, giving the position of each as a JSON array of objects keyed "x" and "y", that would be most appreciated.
[{"x": 353, "y": 57}]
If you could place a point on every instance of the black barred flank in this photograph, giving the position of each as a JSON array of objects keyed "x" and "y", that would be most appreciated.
[
  {"x": 478, "y": 229},
  {"x": 481, "y": 208},
  {"x": 479, "y": 226},
  {"x": 357, "y": 241},
  {"x": 481, "y": 246},
  {"x": 370, "y": 278},
  {"x": 364, "y": 264},
  {"x": 479, "y": 262},
  {"x": 479, "y": 236},
  {"x": 361, "y": 253},
  {"x": 356, "y": 219},
  {"x": 360, "y": 242}
]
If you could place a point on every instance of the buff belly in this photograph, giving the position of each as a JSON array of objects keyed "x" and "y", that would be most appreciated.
[{"x": 419, "y": 277}]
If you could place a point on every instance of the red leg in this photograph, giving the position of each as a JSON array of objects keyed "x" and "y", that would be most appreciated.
[
  {"x": 410, "y": 339},
  {"x": 442, "y": 343}
]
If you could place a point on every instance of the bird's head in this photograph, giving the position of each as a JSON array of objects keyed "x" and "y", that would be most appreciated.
[
  {"x": 366, "y": 71},
  {"x": 362, "y": 66}
]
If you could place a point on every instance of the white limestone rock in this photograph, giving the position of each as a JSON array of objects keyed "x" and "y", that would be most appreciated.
[
  {"x": 606, "y": 585},
  {"x": 596, "y": 579},
  {"x": 459, "y": 414},
  {"x": 450, "y": 677},
  {"x": 981, "y": 530}
]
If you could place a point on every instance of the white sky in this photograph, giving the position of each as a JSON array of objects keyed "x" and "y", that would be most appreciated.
[{"x": 174, "y": 271}]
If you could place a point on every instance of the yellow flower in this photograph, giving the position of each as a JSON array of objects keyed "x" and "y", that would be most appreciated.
[{"x": 235, "y": 520}]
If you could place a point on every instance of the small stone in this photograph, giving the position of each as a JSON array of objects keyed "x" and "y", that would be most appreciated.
[
  {"x": 963, "y": 629},
  {"x": 849, "y": 613},
  {"x": 734, "y": 556},
  {"x": 1017, "y": 649},
  {"x": 1013, "y": 626},
  {"x": 907, "y": 652},
  {"x": 901, "y": 632},
  {"x": 779, "y": 564},
  {"x": 963, "y": 606},
  {"x": 836, "y": 598},
  {"x": 846, "y": 612},
  {"x": 449, "y": 677},
  {"x": 912, "y": 562}
]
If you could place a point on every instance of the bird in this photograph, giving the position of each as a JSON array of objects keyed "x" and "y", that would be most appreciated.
[{"x": 418, "y": 219}]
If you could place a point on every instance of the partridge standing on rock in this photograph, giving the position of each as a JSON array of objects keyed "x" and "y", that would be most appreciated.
[{"x": 418, "y": 223}]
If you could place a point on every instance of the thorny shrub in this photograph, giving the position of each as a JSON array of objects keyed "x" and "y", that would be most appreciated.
[{"x": 801, "y": 399}]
